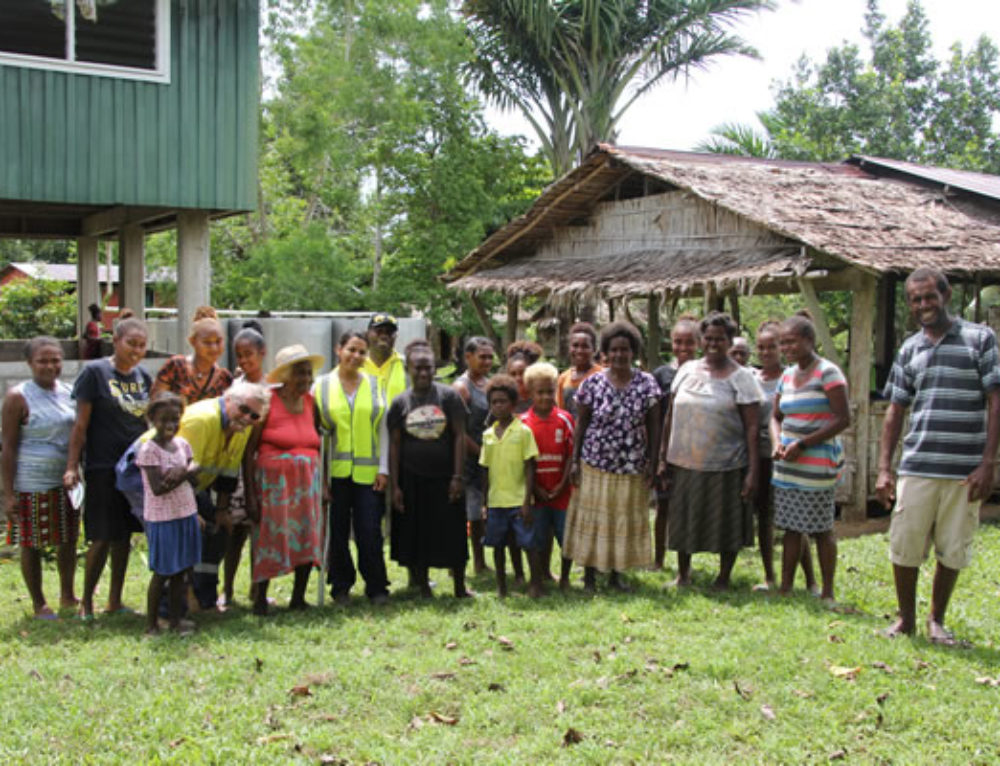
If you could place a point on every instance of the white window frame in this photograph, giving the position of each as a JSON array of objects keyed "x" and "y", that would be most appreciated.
[{"x": 161, "y": 74}]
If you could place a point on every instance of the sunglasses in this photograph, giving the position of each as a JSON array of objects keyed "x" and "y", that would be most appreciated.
[
  {"x": 246, "y": 410},
  {"x": 382, "y": 319}
]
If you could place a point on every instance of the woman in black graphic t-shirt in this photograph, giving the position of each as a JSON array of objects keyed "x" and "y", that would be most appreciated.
[
  {"x": 426, "y": 456},
  {"x": 111, "y": 396}
]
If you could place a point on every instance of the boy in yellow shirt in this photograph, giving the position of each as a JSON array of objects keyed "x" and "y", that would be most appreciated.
[{"x": 508, "y": 455}]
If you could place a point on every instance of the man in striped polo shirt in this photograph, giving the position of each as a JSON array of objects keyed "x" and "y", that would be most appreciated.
[{"x": 948, "y": 373}]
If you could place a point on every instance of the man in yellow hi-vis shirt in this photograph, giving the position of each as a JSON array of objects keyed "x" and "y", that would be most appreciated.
[{"x": 383, "y": 361}]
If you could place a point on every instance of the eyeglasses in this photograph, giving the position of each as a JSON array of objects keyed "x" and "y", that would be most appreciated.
[{"x": 246, "y": 410}]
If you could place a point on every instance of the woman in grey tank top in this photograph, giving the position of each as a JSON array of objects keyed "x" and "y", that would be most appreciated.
[
  {"x": 471, "y": 386},
  {"x": 38, "y": 416}
]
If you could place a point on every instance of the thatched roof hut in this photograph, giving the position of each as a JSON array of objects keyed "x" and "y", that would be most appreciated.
[
  {"x": 636, "y": 222},
  {"x": 765, "y": 216}
]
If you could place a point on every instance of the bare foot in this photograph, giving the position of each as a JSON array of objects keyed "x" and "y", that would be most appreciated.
[
  {"x": 465, "y": 594},
  {"x": 937, "y": 634},
  {"x": 68, "y": 602},
  {"x": 681, "y": 582},
  {"x": 764, "y": 587},
  {"x": 898, "y": 628}
]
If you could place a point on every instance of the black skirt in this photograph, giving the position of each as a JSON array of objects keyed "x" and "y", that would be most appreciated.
[{"x": 431, "y": 530}]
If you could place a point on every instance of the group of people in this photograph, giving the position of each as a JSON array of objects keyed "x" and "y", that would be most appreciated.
[{"x": 511, "y": 462}]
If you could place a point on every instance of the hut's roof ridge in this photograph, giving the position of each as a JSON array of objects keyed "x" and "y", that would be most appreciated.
[{"x": 839, "y": 210}]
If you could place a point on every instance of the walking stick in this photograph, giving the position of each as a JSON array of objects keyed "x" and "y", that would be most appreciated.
[{"x": 325, "y": 521}]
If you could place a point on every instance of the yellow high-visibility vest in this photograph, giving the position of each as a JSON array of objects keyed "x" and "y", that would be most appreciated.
[
  {"x": 391, "y": 375},
  {"x": 355, "y": 426}
]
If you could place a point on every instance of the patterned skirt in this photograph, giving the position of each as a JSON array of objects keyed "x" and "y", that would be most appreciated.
[
  {"x": 808, "y": 511},
  {"x": 290, "y": 531},
  {"x": 607, "y": 524},
  {"x": 707, "y": 514},
  {"x": 43, "y": 519}
]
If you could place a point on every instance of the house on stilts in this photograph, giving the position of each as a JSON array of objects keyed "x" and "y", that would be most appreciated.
[{"x": 125, "y": 117}]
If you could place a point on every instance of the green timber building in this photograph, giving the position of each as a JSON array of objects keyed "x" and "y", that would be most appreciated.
[{"x": 123, "y": 117}]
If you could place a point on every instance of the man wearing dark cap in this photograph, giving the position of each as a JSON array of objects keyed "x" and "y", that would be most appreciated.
[{"x": 383, "y": 361}]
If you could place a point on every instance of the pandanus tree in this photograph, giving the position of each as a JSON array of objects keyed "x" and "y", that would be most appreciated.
[{"x": 573, "y": 68}]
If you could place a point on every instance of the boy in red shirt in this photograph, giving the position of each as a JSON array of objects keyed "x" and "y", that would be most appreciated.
[{"x": 553, "y": 431}]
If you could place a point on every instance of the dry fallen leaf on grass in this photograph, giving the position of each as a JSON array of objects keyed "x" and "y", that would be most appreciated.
[
  {"x": 35, "y": 674},
  {"x": 848, "y": 674},
  {"x": 626, "y": 618},
  {"x": 302, "y": 690},
  {"x": 834, "y": 639},
  {"x": 466, "y": 661},
  {"x": 878, "y": 665},
  {"x": 922, "y": 664},
  {"x": 451, "y": 645},
  {"x": 447, "y": 720},
  {"x": 746, "y": 692},
  {"x": 272, "y": 738},
  {"x": 333, "y": 760},
  {"x": 505, "y": 642},
  {"x": 768, "y": 712},
  {"x": 803, "y": 694},
  {"x": 597, "y": 656},
  {"x": 838, "y": 755},
  {"x": 880, "y": 699},
  {"x": 561, "y": 707},
  {"x": 177, "y": 742},
  {"x": 444, "y": 675},
  {"x": 987, "y": 681},
  {"x": 571, "y": 737},
  {"x": 495, "y": 687},
  {"x": 416, "y": 722},
  {"x": 258, "y": 664}
]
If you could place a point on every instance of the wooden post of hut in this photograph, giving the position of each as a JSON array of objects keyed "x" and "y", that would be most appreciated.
[
  {"x": 859, "y": 389},
  {"x": 653, "y": 333},
  {"x": 510, "y": 333}
]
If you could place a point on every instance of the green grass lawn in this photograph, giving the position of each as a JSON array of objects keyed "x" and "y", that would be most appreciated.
[{"x": 655, "y": 676}]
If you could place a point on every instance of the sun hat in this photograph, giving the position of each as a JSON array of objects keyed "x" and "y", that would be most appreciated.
[{"x": 288, "y": 357}]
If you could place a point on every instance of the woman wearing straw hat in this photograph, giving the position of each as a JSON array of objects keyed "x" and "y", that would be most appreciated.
[{"x": 283, "y": 485}]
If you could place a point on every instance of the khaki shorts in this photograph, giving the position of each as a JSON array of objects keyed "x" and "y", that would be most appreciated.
[{"x": 932, "y": 510}]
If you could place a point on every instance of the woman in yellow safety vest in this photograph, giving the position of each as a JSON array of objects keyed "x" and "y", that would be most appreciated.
[{"x": 352, "y": 410}]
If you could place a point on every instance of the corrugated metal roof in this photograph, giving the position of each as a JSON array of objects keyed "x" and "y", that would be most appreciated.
[
  {"x": 964, "y": 180},
  {"x": 66, "y": 272}
]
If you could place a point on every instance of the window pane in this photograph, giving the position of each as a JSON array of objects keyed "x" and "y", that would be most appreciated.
[
  {"x": 33, "y": 27},
  {"x": 124, "y": 34}
]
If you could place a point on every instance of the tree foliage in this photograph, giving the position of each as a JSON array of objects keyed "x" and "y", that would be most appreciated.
[
  {"x": 895, "y": 100},
  {"x": 377, "y": 171},
  {"x": 31, "y": 307},
  {"x": 574, "y": 67}
]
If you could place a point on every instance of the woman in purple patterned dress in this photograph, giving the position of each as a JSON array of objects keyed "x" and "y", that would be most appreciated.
[{"x": 617, "y": 439}]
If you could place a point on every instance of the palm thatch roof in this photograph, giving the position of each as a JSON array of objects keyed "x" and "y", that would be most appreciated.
[{"x": 830, "y": 216}]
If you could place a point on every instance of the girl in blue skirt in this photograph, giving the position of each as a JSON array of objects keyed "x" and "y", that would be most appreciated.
[{"x": 169, "y": 510}]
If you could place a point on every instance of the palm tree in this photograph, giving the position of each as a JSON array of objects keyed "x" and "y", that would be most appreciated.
[
  {"x": 574, "y": 67},
  {"x": 738, "y": 139}
]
